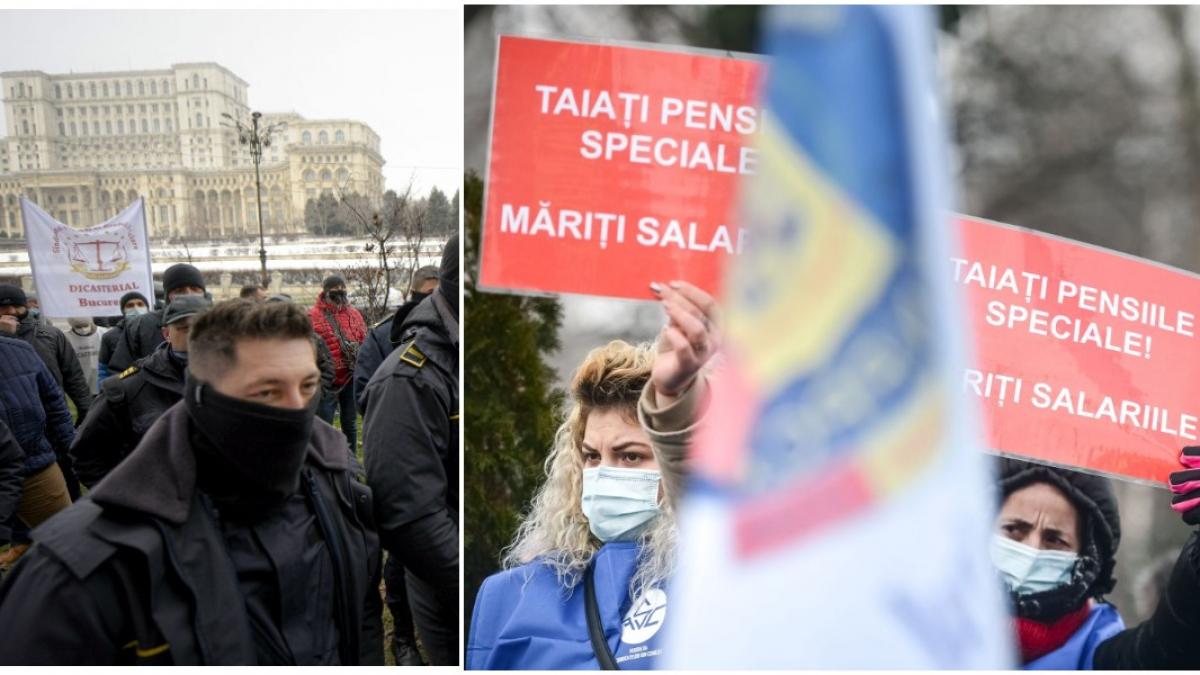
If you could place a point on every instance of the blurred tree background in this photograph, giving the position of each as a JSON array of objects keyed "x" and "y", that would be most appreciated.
[
  {"x": 1078, "y": 121},
  {"x": 511, "y": 406}
]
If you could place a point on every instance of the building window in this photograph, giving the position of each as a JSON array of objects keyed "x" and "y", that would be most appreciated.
[
  {"x": 70, "y": 92},
  {"x": 153, "y": 88},
  {"x": 199, "y": 120},
  {"x": 309, "y": 176},
  {"x": 323, "y": 138},
  {"x": 20, "y": 90},
  {"x": 57, "y": 91},
  {"x": 25, "y": 127},
  {"x": 104, "y": 89},
  {"x": 73, "y": 132},
  {"x": 339, "y": 137},
  {"x": 61, "y": 130},
  {"x": 96, "y": 128},
  {"x": 92, "y": 90},
  {"x": 306, "y": 138},
  {"x": 326, "y": 176},
  {"x": 141, "y": 88},
  {"x": 195, "y": 81},
  {"x": 169, "y": 125},
  {"x": 145, "y": 127},
  {"x": 166, "y": 87},
  {"x": 156, "y": 128},
  {"x": 343, "y": 176},
  {"x": 80, "y": 92},
  {"x": 120, "y": 126},
  {"x": 128, "y": 88}
]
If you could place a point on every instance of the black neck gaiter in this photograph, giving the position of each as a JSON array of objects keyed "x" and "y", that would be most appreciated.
[{"x": 248, "y": 455}]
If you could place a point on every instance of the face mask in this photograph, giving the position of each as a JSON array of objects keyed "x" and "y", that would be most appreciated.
[
  {"x": 1029, "y": 570},
  {"x": 250, "y": 455},
  {"x": 619, "y": 503},
  {"x": 338, "y": 296},
  {"x": 177, "y": 356},
  {"x": 35, "y": 313},
  {"x": 417, "y": 296},
  {"x": 135, "y": 311}
]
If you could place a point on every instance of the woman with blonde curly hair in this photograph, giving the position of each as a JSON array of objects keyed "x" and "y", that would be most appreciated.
[{"x": 584, "y": 580}]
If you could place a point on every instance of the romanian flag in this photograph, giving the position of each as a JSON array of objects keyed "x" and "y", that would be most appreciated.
[{"x": 841, "y": 508}]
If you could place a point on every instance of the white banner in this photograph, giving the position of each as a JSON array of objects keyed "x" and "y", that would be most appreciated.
[{"x": 84, "y": 272}]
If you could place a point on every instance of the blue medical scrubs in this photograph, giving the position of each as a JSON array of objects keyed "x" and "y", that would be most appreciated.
[{"x": 525, "y": 619}]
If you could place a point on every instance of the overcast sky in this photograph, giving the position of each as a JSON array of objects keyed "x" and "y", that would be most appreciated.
[{"x": 400, "y": 71}]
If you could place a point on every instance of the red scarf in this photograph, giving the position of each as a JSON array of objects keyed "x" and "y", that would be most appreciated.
[{"x": 1037, "y": 639}]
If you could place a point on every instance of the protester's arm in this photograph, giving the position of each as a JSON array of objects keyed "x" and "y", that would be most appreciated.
[
  {"x": 369, "y": 357},
  {"x": 52, "y": 618},
  {"x": 100, "y": 442},
  {"x": 74, "y": 383},
  {"x": 676, "y": 396},
  {"x": 671, "y": 428},
  {"x": 1165, "y": 641},
  {"x": 59, "y": 427},
  {"x": 12, "y": 461}
]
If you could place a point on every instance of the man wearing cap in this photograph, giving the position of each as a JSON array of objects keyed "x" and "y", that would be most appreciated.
[
  {"x": 343, "y": 329},
  {"x": 49, "y": 342},
  {"x": 132, "y": 304},
  {"x": 133, "y": 401},
  {"x": 410, "y": 444},
  {"x": 142, "y": 335}
]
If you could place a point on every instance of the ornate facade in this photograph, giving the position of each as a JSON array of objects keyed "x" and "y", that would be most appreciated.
[{"x": 84, "y": 146}]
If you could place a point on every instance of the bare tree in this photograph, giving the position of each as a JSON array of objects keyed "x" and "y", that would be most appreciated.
[{"x": 395, "y": 233}]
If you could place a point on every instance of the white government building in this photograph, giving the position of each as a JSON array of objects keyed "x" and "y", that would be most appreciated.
[{"x": 83, "y": 146}]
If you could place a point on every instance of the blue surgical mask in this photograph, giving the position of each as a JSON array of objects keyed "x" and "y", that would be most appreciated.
[
  {"x": 620, "y": 503},
  {"x": 1029, "y": 570},
  {"x": 136, "y": 311},
  {"x": 35, "y": 313}
]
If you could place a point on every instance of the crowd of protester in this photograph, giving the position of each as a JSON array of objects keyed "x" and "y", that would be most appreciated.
[{"x": 200, "y": 508}]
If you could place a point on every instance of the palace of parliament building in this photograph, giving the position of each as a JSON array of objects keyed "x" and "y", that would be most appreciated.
[{"x": 85, "y": 146}]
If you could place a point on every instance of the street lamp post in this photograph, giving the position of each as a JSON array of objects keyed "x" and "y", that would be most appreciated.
[{"x": 257, "y": 138}]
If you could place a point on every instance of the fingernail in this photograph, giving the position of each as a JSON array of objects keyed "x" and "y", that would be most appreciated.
[
  {"x": 676, "y": 284},
  {"x": 656, "y": 287}
]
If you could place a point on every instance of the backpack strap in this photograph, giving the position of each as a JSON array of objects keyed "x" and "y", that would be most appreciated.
[{"x": 604, "y": 655}]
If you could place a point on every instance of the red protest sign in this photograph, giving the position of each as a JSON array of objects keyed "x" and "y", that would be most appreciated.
[
  {"x": 611, "y": 167},
  {"x": 1084, "y": 357}
]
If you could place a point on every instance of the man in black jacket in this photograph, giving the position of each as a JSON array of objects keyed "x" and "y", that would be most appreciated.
[
  {"x": 385, "y": 335},
  {"x": 235, "y": 533},
  {"x": 142, "y": 334},
  {"x": 131, "y": 402},
  {"x": 411, "y": 448},
  {"x": 132, "y": 304},
  {"x": 380, "y": 342}
]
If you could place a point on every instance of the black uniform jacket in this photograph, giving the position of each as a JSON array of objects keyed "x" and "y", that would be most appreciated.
[
  {"x": 410, "y": 430},
  {"x": 1167, "y": 640},
  {"x": 137, "y": 572},
  {"x": 125, "y": 409},
  {"x": 139, "y": 338}
]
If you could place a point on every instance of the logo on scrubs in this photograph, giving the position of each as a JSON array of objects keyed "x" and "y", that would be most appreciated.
[{"x": 644, "y": 618}]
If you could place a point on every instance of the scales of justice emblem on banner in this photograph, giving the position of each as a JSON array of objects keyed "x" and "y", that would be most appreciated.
[{"x": 98, "y": 254}]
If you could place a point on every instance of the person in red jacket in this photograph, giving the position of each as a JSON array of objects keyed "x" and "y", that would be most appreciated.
[{"x": 343, "y": 329}]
